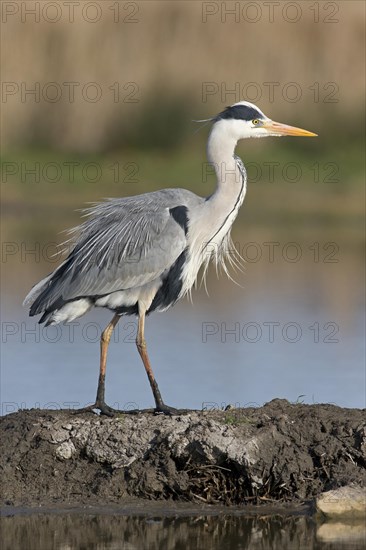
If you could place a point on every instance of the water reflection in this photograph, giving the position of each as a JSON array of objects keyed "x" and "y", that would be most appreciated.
[{"x": 224, "y": 532}]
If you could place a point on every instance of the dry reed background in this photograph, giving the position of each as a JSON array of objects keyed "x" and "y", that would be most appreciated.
[{"x": 169, "y": 52}]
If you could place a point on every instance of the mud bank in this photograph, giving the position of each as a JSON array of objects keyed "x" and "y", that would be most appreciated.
[{"x": 280, "y": 453}]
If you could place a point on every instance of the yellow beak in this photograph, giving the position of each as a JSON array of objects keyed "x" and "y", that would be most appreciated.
[{"x": 279, "y": 129}]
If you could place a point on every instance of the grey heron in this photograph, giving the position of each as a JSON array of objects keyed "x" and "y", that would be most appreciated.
[{"x": 140, "y": 254}]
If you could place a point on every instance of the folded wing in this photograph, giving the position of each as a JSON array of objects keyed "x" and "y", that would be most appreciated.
[{"x": 123, "y": 244}]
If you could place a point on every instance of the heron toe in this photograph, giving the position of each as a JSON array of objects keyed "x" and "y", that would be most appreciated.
[
  {"x": 165, "y": 409},
  {"x": 101, "y": 406}
]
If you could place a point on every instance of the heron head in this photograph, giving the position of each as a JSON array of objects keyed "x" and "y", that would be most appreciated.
[{"x": 246, "y": 120}]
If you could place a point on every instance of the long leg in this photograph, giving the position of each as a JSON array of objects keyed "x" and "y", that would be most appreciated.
[
  {"x": 141, "y": 346},
  {"x": 104, "y": 343}
]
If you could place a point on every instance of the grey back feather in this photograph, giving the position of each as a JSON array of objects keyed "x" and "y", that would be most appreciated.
[{"x": 124, "y": 243}]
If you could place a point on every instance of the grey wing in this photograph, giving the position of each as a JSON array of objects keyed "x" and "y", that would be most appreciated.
[
  {"x": 121, "y": 246},
  {"x": 126, "y": 254}
]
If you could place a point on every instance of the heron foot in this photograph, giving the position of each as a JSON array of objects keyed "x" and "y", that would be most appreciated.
[
  {"x": 106, "y": 409},
  {"x": 102, "y": 407},
  {"x": 166, "y": 410}
]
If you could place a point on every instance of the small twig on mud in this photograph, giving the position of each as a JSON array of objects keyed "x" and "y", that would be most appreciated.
[
  {"x": 326, "y": 471},
  {"x": 207, "y": 466},
  {"x": 269, "y": 499},
  {"x": 199, "y": 498},
  {"x": 350, "y": 457}
]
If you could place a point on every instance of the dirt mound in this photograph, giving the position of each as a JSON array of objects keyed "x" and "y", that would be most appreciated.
[{"x": 279, "y": 452}]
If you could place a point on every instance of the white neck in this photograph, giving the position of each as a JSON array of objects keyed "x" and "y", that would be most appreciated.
[
  {"x": 217, "y": 214},
  {"x": 210, "y": 224},
  {"x": 220, "y": 153}
]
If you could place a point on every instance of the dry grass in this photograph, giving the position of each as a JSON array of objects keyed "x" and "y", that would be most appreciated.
[{"x": 169, "y": 53}]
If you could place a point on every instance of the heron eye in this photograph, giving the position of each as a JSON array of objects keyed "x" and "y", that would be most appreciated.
[{"x": 255, "y": 122}]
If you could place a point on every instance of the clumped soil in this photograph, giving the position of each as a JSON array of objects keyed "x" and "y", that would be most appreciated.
[{"x": 278, "y": 453}]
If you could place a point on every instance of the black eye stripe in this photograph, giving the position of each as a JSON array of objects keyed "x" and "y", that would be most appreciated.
[{"x": 239, "y": 112}]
